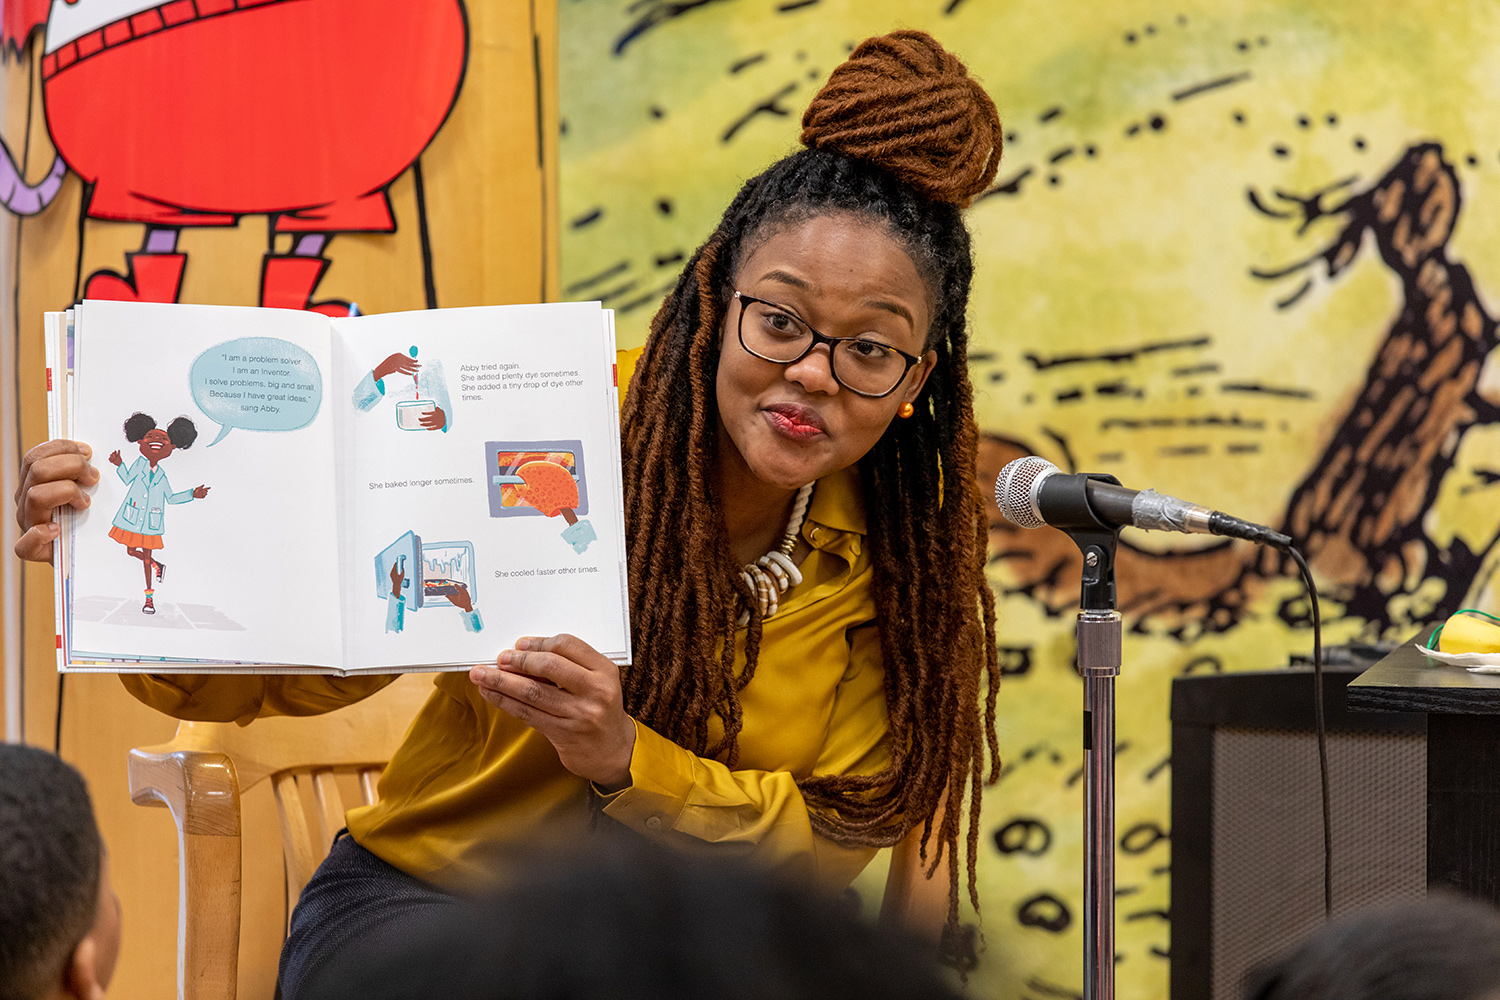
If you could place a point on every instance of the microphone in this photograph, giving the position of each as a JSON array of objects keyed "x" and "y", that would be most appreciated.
[{"x": 1031, "y": 492}]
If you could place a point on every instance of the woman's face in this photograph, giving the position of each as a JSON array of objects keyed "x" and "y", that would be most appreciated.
[
  {"x": 156, "y": 445},
  {"x": 844, "y": 276}
]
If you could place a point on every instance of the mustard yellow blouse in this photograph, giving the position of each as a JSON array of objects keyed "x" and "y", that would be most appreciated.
[{"x": 470, "y": 783}]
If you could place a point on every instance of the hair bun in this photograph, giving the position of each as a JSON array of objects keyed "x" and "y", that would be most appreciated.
[{"x": 905, "y": 103}]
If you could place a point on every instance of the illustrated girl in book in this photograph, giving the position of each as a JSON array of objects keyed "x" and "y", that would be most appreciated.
[{"x": 141, "y": 520}]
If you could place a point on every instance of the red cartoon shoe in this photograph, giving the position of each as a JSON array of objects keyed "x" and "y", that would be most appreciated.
[
  {"x": 287, "y": 281},
  {"x": 148, "y": 608},
  {"x": 149, "y": 277}
]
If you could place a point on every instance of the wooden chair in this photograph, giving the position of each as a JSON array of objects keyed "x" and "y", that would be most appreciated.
[{"x": 200, "y": 774}]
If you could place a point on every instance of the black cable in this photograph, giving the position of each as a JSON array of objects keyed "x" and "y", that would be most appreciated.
[{"x": 1322, "y": 727}]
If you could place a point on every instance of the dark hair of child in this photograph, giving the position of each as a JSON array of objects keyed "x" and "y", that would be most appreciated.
[
  {"x": 180, "y": 432},
  {"x": 621, "y": 917},
  {"x": 1444, "y": 947},
  {"x": 902, "y": 135},
  {"x": 50, "y": 855}
]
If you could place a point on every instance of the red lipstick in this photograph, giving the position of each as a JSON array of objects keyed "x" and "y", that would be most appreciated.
[{"x": 800, "y": 423}]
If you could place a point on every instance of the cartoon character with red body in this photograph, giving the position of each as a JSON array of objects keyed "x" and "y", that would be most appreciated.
[{"x": 197, "y": 112}]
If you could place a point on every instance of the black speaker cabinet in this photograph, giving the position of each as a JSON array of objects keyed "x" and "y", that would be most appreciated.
[{"x": 1247, "y": 841}]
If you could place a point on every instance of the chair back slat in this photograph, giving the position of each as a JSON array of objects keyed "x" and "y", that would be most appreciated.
[
  {"x": 330, "y": 809},
  {"x": 296, "y": 843},
  {"x": 369, "y": 779}
]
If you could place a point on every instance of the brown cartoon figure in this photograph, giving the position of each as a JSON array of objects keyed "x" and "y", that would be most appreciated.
[
  {"x": 141, "y": 519},
  {"x": 1359, "y": 514}
]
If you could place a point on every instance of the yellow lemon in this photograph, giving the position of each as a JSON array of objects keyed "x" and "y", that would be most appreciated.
[{"x": 1470, "y": 634}]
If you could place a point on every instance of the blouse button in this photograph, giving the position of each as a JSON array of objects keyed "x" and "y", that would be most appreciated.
[{"x": 654, "y": 823}]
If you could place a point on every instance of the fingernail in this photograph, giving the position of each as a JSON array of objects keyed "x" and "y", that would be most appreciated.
[
  {"x": 94, "y": 471},
  {"x": 85, "y": 450},
  {"x": 523, "y": 643},
  {"x": 505, "y": 657}
]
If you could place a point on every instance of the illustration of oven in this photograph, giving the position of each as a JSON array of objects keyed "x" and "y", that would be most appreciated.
[
  {"x": 502, "y": 464},
  {"x": 430, "y": 574}
]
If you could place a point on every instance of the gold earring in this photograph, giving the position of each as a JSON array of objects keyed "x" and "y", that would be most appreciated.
[{"x": 905, "y": 410}]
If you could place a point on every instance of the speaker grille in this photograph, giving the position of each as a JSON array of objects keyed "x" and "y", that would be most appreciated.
[{"x": 1268, "y": 840}]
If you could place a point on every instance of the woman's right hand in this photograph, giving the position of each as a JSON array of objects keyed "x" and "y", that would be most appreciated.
[
  {"x": 53, "y": 474},
  {"x": 115, "y": 459}
]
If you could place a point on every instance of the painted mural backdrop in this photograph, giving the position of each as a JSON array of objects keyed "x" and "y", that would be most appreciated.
[{"x": 1239, "y": 252}]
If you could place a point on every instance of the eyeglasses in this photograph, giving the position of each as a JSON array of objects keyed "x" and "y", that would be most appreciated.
[{"x": 863, "y": 366}]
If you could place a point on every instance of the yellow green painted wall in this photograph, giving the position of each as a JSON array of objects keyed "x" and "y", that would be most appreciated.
[{"x": 1119, "y": 326}]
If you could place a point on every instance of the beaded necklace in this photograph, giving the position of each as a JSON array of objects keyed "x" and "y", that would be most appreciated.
[{"x": 773, "y": 573}]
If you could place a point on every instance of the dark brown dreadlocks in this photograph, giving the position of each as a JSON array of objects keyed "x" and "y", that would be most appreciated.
[{"x": 903, "y": 136}]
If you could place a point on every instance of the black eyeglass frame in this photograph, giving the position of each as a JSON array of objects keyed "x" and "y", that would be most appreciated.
[{"x": 818, "y": 338}]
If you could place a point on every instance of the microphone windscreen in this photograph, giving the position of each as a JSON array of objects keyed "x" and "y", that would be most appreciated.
[{"x": 1016, "y": 489}]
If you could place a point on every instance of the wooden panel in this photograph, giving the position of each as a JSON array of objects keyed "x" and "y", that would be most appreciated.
[
  {"x": 484, "y": 164},
  {"x": 491, "y": 219},
  {"x": 47, "y": 249},
  {"x": 15, "y": 79}
]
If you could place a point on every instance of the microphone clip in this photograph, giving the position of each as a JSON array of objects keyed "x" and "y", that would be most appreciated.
[{"x": 1095, "y": 537}]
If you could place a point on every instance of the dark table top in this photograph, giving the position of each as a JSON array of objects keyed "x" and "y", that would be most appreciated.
[{"x": 1407, "y": 681}]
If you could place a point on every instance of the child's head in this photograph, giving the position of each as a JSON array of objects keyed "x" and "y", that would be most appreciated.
[
  {"x": 1443, "y": 947},
  {"x": 59, "y": 917},
  {"x": 619, "y": 916},
  {"x": 158, "y": 444}
]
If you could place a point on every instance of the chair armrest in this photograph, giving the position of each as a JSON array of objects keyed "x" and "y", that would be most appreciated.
[{"x": 202, "y": 793}]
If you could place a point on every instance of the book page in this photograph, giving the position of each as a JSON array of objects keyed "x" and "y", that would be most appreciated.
[
  {"x": 482, "y": 499},
  {"x": 211, "y": 534}
]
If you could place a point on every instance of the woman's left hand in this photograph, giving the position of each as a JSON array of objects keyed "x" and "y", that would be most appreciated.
[{"x": 570, "y": 693}]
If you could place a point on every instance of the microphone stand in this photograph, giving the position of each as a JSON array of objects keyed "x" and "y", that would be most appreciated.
[{"x": 1099, "y": 632}]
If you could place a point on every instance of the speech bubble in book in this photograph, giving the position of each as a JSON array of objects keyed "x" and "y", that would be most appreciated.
[{"x": 257, "y": 384}]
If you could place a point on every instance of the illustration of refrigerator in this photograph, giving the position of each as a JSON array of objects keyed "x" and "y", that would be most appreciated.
[{"x": 430, "y": 573}]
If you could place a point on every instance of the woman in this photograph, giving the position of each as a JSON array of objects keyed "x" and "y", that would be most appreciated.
[{"x": 812, "y": 626}]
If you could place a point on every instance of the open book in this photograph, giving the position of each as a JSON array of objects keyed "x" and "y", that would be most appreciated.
[{"x": 284, "y": 492}]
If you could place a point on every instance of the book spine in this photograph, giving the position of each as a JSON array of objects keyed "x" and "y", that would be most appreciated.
[{"x": 51, "y": 336}]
